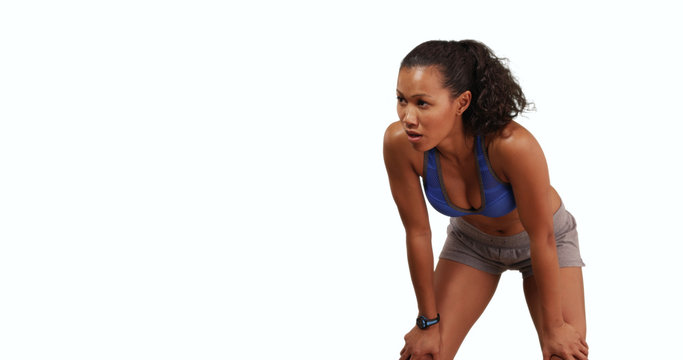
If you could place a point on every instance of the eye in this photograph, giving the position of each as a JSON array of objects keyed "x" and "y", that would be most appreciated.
[
  {"x": 401, "y": 99},
  {"x": 421, "y": 103}
]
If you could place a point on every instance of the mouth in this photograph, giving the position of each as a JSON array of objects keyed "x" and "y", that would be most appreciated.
[{"x": 413, "y": 136}]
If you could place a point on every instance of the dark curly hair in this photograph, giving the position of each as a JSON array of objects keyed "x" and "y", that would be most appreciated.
[{"x": 470, "y": 65}]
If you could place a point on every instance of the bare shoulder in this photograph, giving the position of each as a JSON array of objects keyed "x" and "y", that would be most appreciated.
[
  {"x": 513, "y": 139},
  {"x": 398, "y": 151},
  {"x": 513, "y": 144},
  {"x": 395, "y": 139},
  {"x": 393, "y": 133},
  {"x": 404, "y": 165}
]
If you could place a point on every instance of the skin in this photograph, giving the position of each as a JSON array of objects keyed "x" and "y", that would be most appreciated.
[{"x": 457, "y": 292}]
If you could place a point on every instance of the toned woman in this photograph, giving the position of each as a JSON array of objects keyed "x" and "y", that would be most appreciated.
[{"x": 457, "y": 139}]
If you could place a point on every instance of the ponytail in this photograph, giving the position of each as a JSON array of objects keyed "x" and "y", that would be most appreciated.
[{"x": 470, "y": 65}]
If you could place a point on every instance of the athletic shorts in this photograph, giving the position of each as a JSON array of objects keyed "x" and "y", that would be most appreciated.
[{"x": 494, "y": 254}]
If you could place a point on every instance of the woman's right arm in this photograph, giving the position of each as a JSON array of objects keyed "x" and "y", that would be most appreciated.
[{"x": 402, "y": 162}]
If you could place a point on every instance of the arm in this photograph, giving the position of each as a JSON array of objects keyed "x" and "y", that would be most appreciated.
[
  {"x": 524, "y": 165},
  {"x": 526, "y": 169},
  {"x": 407, "y": 193}
]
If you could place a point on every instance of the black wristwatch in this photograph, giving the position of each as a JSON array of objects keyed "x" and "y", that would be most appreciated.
[{"x": 423, "y": 322}]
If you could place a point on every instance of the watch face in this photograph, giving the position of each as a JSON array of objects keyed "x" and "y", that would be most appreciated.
[{"x": 421, "y": 323}]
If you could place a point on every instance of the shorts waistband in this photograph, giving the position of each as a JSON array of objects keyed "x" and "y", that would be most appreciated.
[{"x": 518, "y": 240}]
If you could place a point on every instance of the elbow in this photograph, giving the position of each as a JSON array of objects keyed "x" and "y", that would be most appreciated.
[
  {"x": 550, "y": 239},
  {"x": 543, "y": 239},
  {"x": 418, "y": 235}
]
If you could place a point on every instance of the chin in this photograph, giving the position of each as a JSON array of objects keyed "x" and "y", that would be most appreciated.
[{"x": 421, "y": 147}]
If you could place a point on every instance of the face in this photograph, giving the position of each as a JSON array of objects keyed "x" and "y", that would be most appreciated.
[{"x": 426, "y": 109}]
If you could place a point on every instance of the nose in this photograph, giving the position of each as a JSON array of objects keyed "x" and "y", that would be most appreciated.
[{"x": 409, "y": 119}]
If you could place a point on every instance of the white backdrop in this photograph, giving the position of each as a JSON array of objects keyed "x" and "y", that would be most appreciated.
[{"x": 204, "y": 180}]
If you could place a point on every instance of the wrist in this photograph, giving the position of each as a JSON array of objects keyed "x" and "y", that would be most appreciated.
[
  {"x": 553, "y": 326},
  {"x": 425, "y": 323},
  {"x": 430, "y": 331}
]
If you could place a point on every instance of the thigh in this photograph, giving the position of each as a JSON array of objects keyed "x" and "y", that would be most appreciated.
[
  {"x": 573, "y": 305},
  {"x": 462, "y": 294}
]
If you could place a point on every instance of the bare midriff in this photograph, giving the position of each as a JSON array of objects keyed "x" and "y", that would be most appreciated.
[{"x": 508, "y": 224}]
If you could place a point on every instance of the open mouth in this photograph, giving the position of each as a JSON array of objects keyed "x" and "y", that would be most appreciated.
[{"x": 414, "y": 136}]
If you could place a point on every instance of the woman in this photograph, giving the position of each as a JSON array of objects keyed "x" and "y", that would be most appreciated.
[{"x": 456, "y": 105}]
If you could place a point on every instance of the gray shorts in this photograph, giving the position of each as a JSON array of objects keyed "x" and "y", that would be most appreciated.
[{"x": 494, "y": 254}]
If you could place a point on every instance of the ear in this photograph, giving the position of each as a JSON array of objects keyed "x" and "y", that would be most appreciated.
[{"x": 462, "y": 102}]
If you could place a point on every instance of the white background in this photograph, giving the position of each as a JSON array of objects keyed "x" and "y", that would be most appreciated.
[{"x": 204, "y": 180}]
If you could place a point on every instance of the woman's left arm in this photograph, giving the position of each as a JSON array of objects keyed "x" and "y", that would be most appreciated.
[{"x": 525, "y": 167}]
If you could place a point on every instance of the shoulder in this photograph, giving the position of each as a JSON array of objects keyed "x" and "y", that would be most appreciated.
[
  {"x": 512, "y": 146},
  {"x": 512, "y": 140},
  {"x": 398, "y": 151},
  {"x": 394, "y": 136},
  {"x": 403, "y": 164}
]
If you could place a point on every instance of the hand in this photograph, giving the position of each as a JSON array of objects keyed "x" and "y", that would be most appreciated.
[
  {"x": 422, "y": 344},
  {"x": 564, "y": 342}
]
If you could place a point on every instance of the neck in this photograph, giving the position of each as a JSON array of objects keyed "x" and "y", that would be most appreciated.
[{"x": 457, "y": 146}]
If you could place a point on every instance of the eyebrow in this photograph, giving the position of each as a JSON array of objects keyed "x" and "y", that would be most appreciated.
[{"x": 416, "y": 95}]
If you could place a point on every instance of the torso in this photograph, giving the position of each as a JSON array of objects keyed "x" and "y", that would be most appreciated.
[
  {"x": 461, "y": 182},
  {"x": 508, "y": 224}
]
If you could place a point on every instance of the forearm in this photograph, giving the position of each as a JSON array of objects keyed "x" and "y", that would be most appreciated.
[
  {"x": 421, "y": 263},
  {"x": 547, "y": 275}
]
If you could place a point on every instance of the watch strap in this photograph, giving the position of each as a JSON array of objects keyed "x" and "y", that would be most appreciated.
[{"x": 423, "y": 322}]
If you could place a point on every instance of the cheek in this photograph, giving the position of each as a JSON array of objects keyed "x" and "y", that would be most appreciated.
[
  {"x": 445, "y": 119},
  {"x": 436, "y": 126}
]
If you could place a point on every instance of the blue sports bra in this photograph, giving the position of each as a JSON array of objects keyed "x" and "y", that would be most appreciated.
[{"x": 497, "y": 197}]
